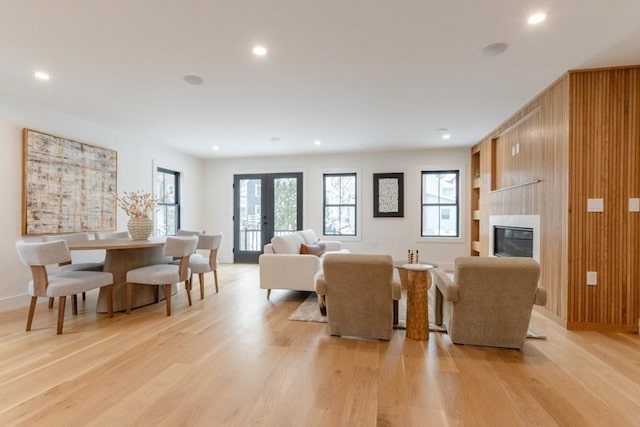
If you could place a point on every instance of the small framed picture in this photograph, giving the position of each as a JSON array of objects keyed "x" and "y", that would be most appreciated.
[{"x": 388, "y": 195}]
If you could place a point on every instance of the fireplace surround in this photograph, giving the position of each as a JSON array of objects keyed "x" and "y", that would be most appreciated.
[{"x": 518, "y": 222}]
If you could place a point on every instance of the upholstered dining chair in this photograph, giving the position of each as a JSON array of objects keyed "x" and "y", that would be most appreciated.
[
  {"x": 76, "y": 266},
  {"x": 165, "y": 275},
  {"x": 112, "y": 235},
  {"x": 62, "y": 282},
  {"x": 361, "y": 294},
  {"x": 199, "y": 264}
]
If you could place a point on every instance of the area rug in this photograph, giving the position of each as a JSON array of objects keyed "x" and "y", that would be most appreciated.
[{"x": 308, "y": 312}]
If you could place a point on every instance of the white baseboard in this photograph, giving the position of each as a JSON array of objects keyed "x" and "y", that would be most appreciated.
[{"x": 17, "y": 301}]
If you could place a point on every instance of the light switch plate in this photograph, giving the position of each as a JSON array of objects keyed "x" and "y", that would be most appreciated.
[
  {"x": 634, "y": 204},
  {"x": 592, "y": 278},
  {"x": 595, "y": 205}
]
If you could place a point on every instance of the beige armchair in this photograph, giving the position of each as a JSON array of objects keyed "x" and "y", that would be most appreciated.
[
  {"x": 491, "y": 300},
  {"x": 361, "y": 294}
]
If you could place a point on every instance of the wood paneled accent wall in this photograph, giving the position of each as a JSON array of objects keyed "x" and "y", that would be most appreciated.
[
  {"x": 579, "y": 139},
  {"x": 604, "y": 162}
]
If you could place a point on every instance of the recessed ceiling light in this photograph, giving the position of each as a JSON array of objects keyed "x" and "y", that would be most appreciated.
[
  {"x": 259, "y": 50},
  {"x": 444, "y": 133},
  {"x": 493, "y": 50},
  {"x": 193, "y": 80},
  {"x": 215, "y": 147},
  {"x": 317, "y": 142},
  {"x": 41, "y": 75},
  {"x": 537, "y": 18}
]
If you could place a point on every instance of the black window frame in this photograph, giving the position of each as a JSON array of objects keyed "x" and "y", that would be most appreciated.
[
  {"x": 440, "y": 205},
  {"x": 176, "y": 176},
  {"x": 325, "y": 205}
]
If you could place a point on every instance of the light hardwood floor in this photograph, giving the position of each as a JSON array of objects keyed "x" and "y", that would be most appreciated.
[{"x": 234, "y": 359}]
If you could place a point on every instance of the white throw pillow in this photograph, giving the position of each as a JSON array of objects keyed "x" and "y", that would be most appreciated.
[
  {"x": 309, "y": 236},
  {"x": 287, "y": 243}
]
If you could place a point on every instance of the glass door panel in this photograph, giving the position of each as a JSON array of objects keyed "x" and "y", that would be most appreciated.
[{"x": 265, "y": 205}]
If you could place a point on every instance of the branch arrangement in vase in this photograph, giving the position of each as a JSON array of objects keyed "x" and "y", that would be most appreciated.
[{"x": 138, "y": 204}]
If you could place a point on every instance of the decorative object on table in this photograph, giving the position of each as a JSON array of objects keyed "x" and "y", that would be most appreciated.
[
  {"x": 413, "y": 258},
  {"x": 388, "y": 195},
  {"x": 63, "y": 182},
  {"x": 139, "y": 206}
]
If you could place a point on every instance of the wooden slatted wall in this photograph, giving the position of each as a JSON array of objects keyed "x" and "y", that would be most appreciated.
[
  {"x": 581, "y": 138},
  {"x": 604, "y": 163}
]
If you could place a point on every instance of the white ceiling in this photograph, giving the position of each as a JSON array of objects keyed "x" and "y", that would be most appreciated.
[{"x": 358, "y": 75}]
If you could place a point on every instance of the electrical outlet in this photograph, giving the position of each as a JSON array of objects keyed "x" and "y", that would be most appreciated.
[{"x": 592, "y": 278}]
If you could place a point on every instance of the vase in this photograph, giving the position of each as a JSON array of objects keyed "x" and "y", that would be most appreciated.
[{"x": 140, "y": 228}]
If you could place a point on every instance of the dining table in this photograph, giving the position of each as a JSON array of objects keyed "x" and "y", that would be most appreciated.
[{"x": 122, "y": 255}]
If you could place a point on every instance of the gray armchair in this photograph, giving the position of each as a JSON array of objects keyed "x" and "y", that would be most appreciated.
[
  {"x": 361, "y": 294},
  {"x": 491, "y": 300}
]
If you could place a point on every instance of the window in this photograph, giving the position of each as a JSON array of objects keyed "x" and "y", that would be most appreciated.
[
  {"x": 339, "y": 204},
  {"x": 440, "y": 204},
  {"x": 168, "y": 193}
]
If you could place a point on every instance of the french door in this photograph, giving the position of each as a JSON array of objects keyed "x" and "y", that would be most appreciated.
[{"x": 264, "y": 205}]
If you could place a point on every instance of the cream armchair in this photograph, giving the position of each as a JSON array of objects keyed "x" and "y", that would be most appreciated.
[
  {"x": 361, "y": 294},
  {"x": 490, "y": 301}
]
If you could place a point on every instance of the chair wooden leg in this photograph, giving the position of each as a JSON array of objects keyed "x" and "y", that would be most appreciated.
[
  {"x": 110, "y": 300},
  {"x": 130, "y": 296},
  {"x": 51, "y": 302},
  {"x": 395, "y": 311},
  {"x": 187, "y": 286},
  {"x": 268, "y": 293},
  {"x": 215, "y": 279},
  {"x": 167, "y": 294},
  {"x": 201, "y": 276},
  {"x": 61, "y": 303},
  {"x": 32, "y": 309},
  {"x": 74, "y": 304}
]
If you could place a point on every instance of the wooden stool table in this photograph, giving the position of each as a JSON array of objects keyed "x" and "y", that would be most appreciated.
[{"x": 418, "y": 284}]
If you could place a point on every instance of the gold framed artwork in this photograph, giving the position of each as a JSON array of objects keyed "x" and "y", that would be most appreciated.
[{"x": 67, "y": 186}]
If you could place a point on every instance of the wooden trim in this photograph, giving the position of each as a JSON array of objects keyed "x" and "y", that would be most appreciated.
[
  {"x": 601, "y": 327},
  {"x": 517, "y": 185},
  {"x": 591, "y": 70}
]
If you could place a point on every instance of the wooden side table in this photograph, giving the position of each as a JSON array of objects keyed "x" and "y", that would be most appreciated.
[{"x": 418, "y": 300}]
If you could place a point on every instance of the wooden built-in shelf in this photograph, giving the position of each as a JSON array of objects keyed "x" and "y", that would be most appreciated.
[
  {"x": 475, "y": 215},
  {"x": 476, "y": 183},
  {"x": 475, "y": 245}
]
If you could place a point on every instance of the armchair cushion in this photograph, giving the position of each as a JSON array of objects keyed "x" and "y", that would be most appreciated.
[{"x": 287, "y": 243}]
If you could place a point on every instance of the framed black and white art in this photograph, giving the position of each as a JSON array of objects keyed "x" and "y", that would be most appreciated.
[{"x": 388, "y": 195}]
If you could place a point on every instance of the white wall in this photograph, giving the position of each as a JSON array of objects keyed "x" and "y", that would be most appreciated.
[
  {"x": 376, "y": 235},
  {"x": 135, "y": 172}
]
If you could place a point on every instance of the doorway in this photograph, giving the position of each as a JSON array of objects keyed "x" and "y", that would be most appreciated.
[{"x": 264, "y": 205}]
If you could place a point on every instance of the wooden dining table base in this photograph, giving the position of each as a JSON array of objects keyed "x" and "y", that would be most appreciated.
[{"x": 118, "y": 262}]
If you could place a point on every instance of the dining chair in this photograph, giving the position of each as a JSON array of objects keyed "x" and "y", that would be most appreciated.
[
  {"x": 61, "y": 282},
  {"x": 165, "y": 275},
  {"x": 199, "y": 264},
  {"x": 112, "y": 235},
  {"x": 75, "y": 266}
]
